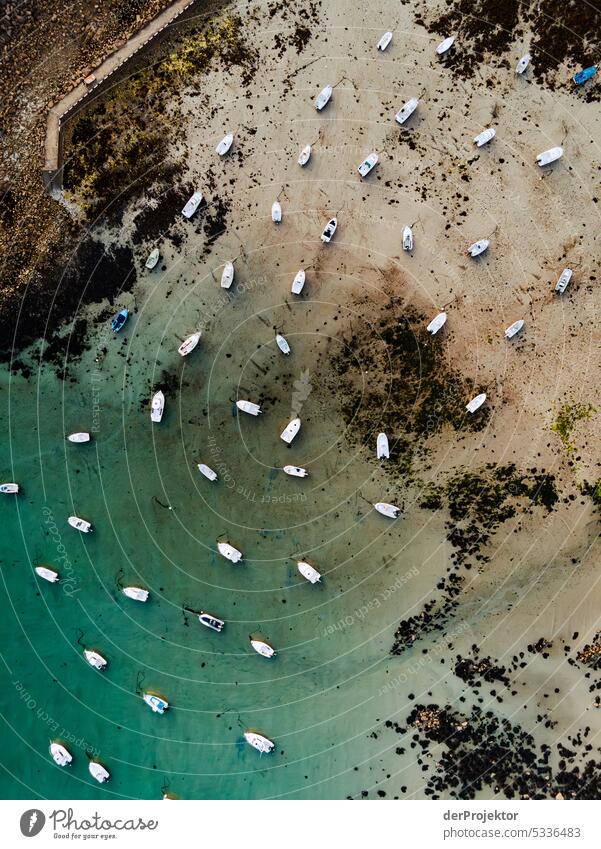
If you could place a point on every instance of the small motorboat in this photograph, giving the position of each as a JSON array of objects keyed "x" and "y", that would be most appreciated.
[
  {"x": 225, "y": 144},
  {"x": 119, "y": 320},
  {"x": 153, "y": 258},
  {"x": 9, "y": 488},
  {"x": 514, "y": 328},
  {"x": 329, "y": 230},
  {"x": 323, "y": 98},
  {"x": 210, "y": 621},
  {"x": 282, "y": 344},
  {"x": 384, "y": 41},
  {"x": 308, "y": 572},
  {"x": 582, "y": 76},
  {"x": 445, "y": 45},
  {"x": 98, "y": 772},
  {"x": 94, "y": 659},
  {"x": 80, "y": 524},
  {"x": 136, "y": 593},
  {"x": 155, "y": 703},
  {"x": 476, "y": 403},
  {"x": 249, "y": 407},
  {"x": 229, "y": 552},
  {"x": 298, "y": 282},
  {"x": 262, "y": 647},
  {"x": 259, "y": 742},
  {"x": 207, "y": 471},
  {"x": 227, "y": 276},
  {"x": 391, "y": 511},
  {"x": 564, "y": 279},
  {"x": 382, "y": 449},
  {"x": 295, "y": 471},
  {"x": 368, "y": 164},
  {"x": 47, "y": 574},
  {"x": 478, "y": 247},
  {"x": 276, "y": 212},
  {"x": 79, "y": 437},
  {"x": 406, "y": 111},
  {"x": 523, "y": 64},
  {"x": 485, "y": 136},
  {"x": 192, "y": 205},
  {"x": 290, "y": 431},
  {"x": 548, "y": 156},
  {"x": 407, "y": 238},
  {"x": 157, "y": 406},
  {"x": 305, "y": 155},
  {"x": 188, "y": 345},
  {"x": 436, "y": 323},
  {"x": 60, "y": 755}
]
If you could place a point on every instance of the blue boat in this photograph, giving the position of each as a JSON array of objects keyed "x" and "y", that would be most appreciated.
[
  {"x": 119, "y": 320},
  {"x": 583, "y": 76}
]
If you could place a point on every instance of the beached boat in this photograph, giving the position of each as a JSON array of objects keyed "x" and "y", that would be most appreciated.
[
  {"x": 136, "y": 593},
  {"x": 249, "y": 407},
  {"x": 188, "y": 345},
  {"x": 308, "y": 572},
  {"x": 262, "y": 647},
  {"x": 80, "y": 437},
  {"x": 9, "y": 488},
  {"x": 514, "y": 328},
  {"x": 225, "y": 144},
  {"x": 192, "y": 205},
  {"x": 227, "y": 275},
  {"x": 298, "y": 282},
  {"x": 290, "y": 431},
  {"x": 207, "y": 471},
  {"x": 548, "y": 156},
  {"x": 384, "y": 41},
  {"x": 305, "y": 155},
  {"x": 47, "y": 574},
  {"x": 155, "y": 703},
  {"x": 210, "y": 621},
  {"x": 406, "y": 111},
  {"x": 94, "y": 659},
  {"x": 523, "y": 64},
  {"x": 153, "y": 258},
  {"x": 157, "y": 406},
  {"x": 436, "y": 323},
  {"x": 366, "y": 166},
  {"x": 276, "y": 212},
  {"x": 478, "y": 247},
  {"x": 80, "y": 524},
  {"x": 323, "y": 98},
  {"x": 382, "y": 449},
  {"x": 60, "y": 754},
  {"x": 407, "y": 238},
  {"x": 229, "y": 552},
  {"x": 329, "y": 230},
  {"x": 445, "y": 45},
  {"x": 295, "y": 471},
  {"x": 98, "y": 772},
  {"x": 564, "y": 279},
  {"x": 476, "y": 403},
  {"x": 259, "y": 742},
  {"x": 391, "y": 511},
  {"x": 582, "y": 76},
  {"x": 119, "y": 320},
  {"x": 282, "y": 344},
  {"x": 485, "y": 136}
]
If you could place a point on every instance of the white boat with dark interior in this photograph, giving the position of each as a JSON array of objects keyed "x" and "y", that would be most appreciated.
[
  {"x": 210, "y": 621},
  {"x": 329, "y": 230},
  {"x": 95, "y": 659},
  {"x": 9, "y": 488},
  {"x": 155, "y": 703},
  {"x": 80, "y": 524},
  {"x": 564, "y": 279},
  {"x": 391, "y": 511},
  {"x": 295, "y": 471},
  {"x": 368, "y": 164}
]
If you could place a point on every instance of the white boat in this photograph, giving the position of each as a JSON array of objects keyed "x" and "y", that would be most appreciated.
[
  {"x": 207, "y": 471},
  {"x": 514, "y": 328},
  {"x": 282, "y": 344},
  {"x": 47, "y": 574},
  {"x": 227, "y": 275},
  {"x": 445, "y": 45},
  {"x": 298, "y": 282},
  {"x": 225, "y": 144},
  {"x": 157, "y": 406},
  {"x": 210, "y": 621},
  {"x": 290, "y": 431},
  {"x": 329, "y": 230},
  {"x": 436, "y": 323},
  {"x": 385, "y": 41},
  {"x": 248, "y": 407},
  {"x": 98, "y": 772},
  {"x": 366, "y": 166},
  {"x": 382, "y": 449},
  {"x": 478, "y": 247},
  {"x": 323, "y": 98},
  {"x": 523, "y": 64},
  {"x": 94, "y": 659},
  {"x": 79, "y": 437},
  {"x": 9, "y": 488},
  {"x": 229, "y": 552},
  {"x": 259, "y": 742},
  {"x": 153, "y": 258},
  {"x": 307, "y": 571},
  {"x": 60, "y": 755},
  {"x": 391, "y": 511},
  {"x": 155, "y": 703},
  {"x": 80, "y": 524},
  {"x": 276, "y": 212},
  {"x": 485, "y": 136},
  {"x": 476, "y": 403},
  {"x": 136, "y": 593},
  {"x": 263, "y": 648},
  {"x": 548, "y": 156},
  {"x": 304, "y": 155},
  {"x": 295, "y": 471},
  {"x": 192, "y": 205},
  {"x": 406, "y": 111},
  {"x": 564, "y": 279},
  {"x": 407, "y": 238},
  {"x": 188, "y": 345}
]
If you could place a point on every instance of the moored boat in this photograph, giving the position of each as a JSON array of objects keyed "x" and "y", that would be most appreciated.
[
  {"x": 210, "y": 621},
  {"x": 290, "y": 431},
  {"x": 157, "y": 406},
  {"x": 523, "y": 64},
  {"x": 305, "y": 155},
  {"x": 80, "y": 437},
  {"x": 207, "y": 471},
  {"x": 229, "y": 552},
  {"x": 391, "y": 511},
  {"x": 564, "y": 279},
  {"x": 119, "y": 320},
  {"x": 323, "y": 98},
  {"x": 445, "y": 45},
  {"x": 192, "y": 205},
  {"x": 188, "y": 345},
  {"x": 225, "y": 144},
  {"x": 485, "y": 136},
  {"x": 249, "y": 407},
  {"x": 406, "y": 110},
  {"x": 407, "y": 238},
  {"x": 282, "y": 344},
  {"x": 308, "y": 572},
  {"x": 478, "y": 247},
  {"x": 60, "y": 754},
  {"x": 98, "y": 772},
  {"x": 582, "y": 76},
  {"x": 298, "y": 282},
  {"x": 136, "y": 593},
  {"x": 95, "y": 659},
  {"x": 384, "y": 41},
  {"x": 47, "y": 574},
  {"x": 153, "y": 258},
  {"x": 382, "y": 449},
  {"x": 9, "y": 488},
  {"x": 276, "y": 212},
  {"x": 329, "y": 230},
  {"x": 295, "y": 471},
  {"x": 514, "y": 328},
  {"x": 80, "y": 524},
  {"x": 476, "y": 403},
  {"x": 227, "y": 275},
  {"x": 262, "y": 647},
  {"x": 155, "y": 703},
  {"x": 368, "y": 163},
  {"x": 259, "y": 742},
  {"x": 436, "y": 323},
  {"x": 548, "y": 156}
]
